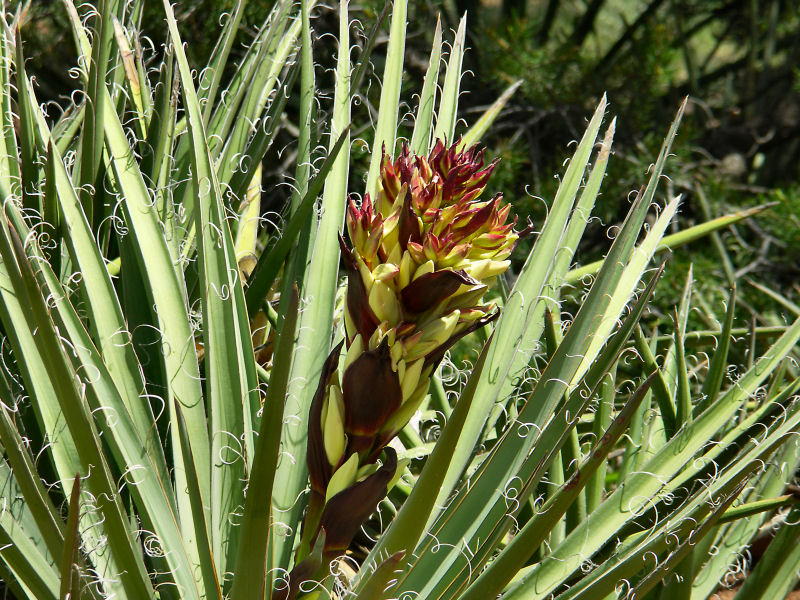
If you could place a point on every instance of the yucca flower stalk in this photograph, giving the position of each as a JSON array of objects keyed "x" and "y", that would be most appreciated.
[{"x": 422, "y": 255}]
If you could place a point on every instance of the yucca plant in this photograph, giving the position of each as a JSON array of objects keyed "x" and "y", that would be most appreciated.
[{"x": 195, "y": 406}]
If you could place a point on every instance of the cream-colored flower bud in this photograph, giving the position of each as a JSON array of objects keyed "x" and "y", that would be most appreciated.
[
  {"x": 394, "y": 255},
  {"x": 401, "y": 367},
  {"x": 342, "y": 478},
  {"x": 407, "y": 268},
  {"x": 434, "y": 334},
  {"x": 410, "y": 379},
  {"x": 424, "y": 269},
  {"x": 333, "y": 436},
  {"x": 366, "y": 471},
  {"x": 354, "y": 351},
  {"x": 396, "y": 352},
  {"x": 384, "y": 303},
  {"x": 349, "y": 326},
  {"x": 439, "y": 330},
  {"x": 366, "y": 274},
  {"x": 385, "y": 272}
]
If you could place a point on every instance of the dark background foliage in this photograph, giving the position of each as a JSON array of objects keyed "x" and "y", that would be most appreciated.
[{"x": 738, "y": 146}]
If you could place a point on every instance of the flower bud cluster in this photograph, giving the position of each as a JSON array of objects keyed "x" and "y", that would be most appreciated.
[{"x": 423, "y": 254}]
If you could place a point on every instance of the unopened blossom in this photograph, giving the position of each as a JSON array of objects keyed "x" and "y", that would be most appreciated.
[{"x": 421, "y": 256}]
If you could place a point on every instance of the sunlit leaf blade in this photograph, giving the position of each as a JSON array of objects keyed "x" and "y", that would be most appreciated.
[
  {"x": 776, "y": 574},
  {"x": 230, "y": 375},
  {"x": 676, "y": 240},
  {"x": 421, "y": 137},
  {"x": 514, "y": 556},
  {"x": 35, "y": 497},
  {"x": 208, "y": 572},
  {"x": 87, "y": 443},
  {"x": 511, "y": 332},
  {"x": 670, "y": 460},
  {"x": 447, "y": 115},
  {"x": 386, "y": 128},
  {"x": 212, "y": 75},
  {"x": 716, "y": 369},
  {"x": 70, "y": 575},
  {"x": 251, "y": 558},
  {"x": 9, "y": 154},
  {"x": 165, "y": 291},
  {"x": 561, "y": 375}
]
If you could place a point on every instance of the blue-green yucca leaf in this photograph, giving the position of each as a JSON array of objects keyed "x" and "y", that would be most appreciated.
[
  {"x": 9, "y": 153},
  {"x": 67, "y": 127},
  {"x": 109, "y": 330},
  {"x": 31, "y": 489},
  {"x": 558, "y": 215},
  {"x": 762, "y": 422},
  {"x": 551, "y": 439},
  {"x": 568, "y": 246},
  {"x": 405, "y": 534},
  {"x": 447, "y": 115},
  {"x": 259, "y": 59},
  {"x": 36, "y": 376},
  {"x": 89, "y": 170},
  {"x": 653, "y": 538},
  {"x": 676, "y": 240},
  {"x": 160, "y": 134},
  {"x": 150, "y": 488},
  {"x": 517, "y": 331},
  {"x": 164, "y": 289},
  {"x": 262, "y": 139},
  {"x": 633, "y": 560},
  {"x": 259, "y": 93},
  {"x": 753, "y": 456},
  {"x": 228, "y": 137},
  {"x": 666, "y": 415},
  {"x": 251, "y": 557},
  {"x": 386, "y": 127},
  {"x": 775, "y": 574},
  {"x": 230, "y": 374},
  {"x": 133, "y": 577},
  {"x": 295, "y": 268},
  {"x": 28, "y": 567},
  {"x": 509, "y": 460},
  {"x": 31, "y": 146},
  {"x": 671, "y": 368},
  {"x": 421, "y": 137},
  {"x": 363, "y": 62},
  {"x": 672, "y": 459},
  {"x": 70, "y": 570},
  {"x": 731, "y": 537},
  {"x": 211, "y": 76},
  {"x": 514, "y": 556},
  {"x": 22, "y": 550},
  {"x": 716, "y": 370},
  {"x": 208, "y": 572}
]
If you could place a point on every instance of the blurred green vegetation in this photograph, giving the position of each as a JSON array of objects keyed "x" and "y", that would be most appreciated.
[{"x": 739, "y": 145}]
